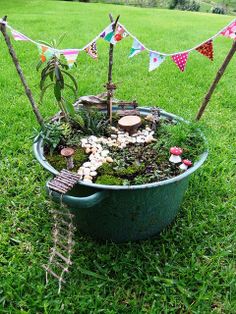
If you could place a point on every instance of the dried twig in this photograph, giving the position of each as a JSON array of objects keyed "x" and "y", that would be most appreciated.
[
  {"x": 20, "y": 72},
  {"x": 216, "y": 81}
]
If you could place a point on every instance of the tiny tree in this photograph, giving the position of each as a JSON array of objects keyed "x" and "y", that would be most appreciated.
[{"x": 55, "y": 76}]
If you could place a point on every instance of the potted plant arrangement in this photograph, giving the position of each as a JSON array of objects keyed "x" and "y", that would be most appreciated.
[
  {"x": 131, "y": 164},
  {"x": 122, "y": 169}
]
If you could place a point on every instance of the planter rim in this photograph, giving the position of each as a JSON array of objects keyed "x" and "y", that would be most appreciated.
[{"x": 39, "y": 154}]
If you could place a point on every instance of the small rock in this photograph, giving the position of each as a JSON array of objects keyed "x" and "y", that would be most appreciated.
[
  {"x": 94, "y": 150},
  {"x": 87, "y": 181},
  {"x": 149, "y": 139},
  {"x": 104, "y": 153},
  {"x": 88, "y": 178},
  {"x": 113, "y": 136},
  {"x": 86, "y": 171},
  {"x": 93, "y": 173},
  {"x": 87, "y": 145},
  {"x": 109, "y": 159},
  {"x": 80, "y": 172},
  {"x": 149, "y": 117},
  {"x": 113, "y": 129},
  {"x": 87, "y": 164},
  {"x": 93, "y": 138}
]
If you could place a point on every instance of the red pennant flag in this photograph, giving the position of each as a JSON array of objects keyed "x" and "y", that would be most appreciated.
[
  {"x": 180, "y": 60},
  {"x": 206, "y": 49}
]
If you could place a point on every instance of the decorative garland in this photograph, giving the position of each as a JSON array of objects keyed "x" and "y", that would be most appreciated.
[{"x": 156, "y": 58}]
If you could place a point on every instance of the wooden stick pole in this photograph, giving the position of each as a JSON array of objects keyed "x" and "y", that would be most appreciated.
[
  {"x": 216, "y": 81},
  {"x": 20, "y": 72},
  {"x": 109, "y": 84}
]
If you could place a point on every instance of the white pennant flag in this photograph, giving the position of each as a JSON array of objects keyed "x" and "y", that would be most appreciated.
[{"x": 155, "y": 60}]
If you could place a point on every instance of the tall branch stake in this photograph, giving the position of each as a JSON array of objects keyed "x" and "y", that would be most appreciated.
[
  {"x": 216, "y": 81},
  {"x": 20, "y": 72},
  {"x": 110, "y": 86}
]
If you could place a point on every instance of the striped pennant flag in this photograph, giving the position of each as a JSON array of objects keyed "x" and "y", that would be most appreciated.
[
  {"x": 136, "y": 48},
  {"x": 155, "y": 60},
  {"x": 70, "y": 55},
  {"x": 180, "y": 60},
  {"x": 18, "y": 36},
  {"x": 92, "y": 50}
]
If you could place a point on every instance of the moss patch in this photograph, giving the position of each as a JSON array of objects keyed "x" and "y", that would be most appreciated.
[{"x": 109, "y": 180}]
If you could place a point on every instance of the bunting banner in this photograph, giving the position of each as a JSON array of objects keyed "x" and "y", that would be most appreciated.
[
  {"x": 120, "y": 33},
  {"x": 108, "y": 33},
  {"x": 207, "y": 50},
  {"x": 45, "y": 53},
  {"x": 92, "y": 50},
  {"x": 155, "y": 60},
  {"x": 230, "y": 31},
  {"x": 18, "y": 36},
  {"x": 71, "y": 56},
  {"x": 180, "y": 60},
  {"x": 136, "y": 48}
]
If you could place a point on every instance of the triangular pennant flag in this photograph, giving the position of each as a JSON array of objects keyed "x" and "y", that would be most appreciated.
[
  {"x": 70, "y": 55},
  {"x": 45, "y": 53},
  {"x": 206, "y": 49},
  {"x": 180, "y": 60},
  {"x": 155, "y": 60},
  {"x": 120, "y": 33},
  {"x": 136, "y": 48},
  {"x": 92, "y": 50},
  {"x": 18, "y": 36},
  {"x": 230, "y": 31},
  {"x": 108, "y": 33}
]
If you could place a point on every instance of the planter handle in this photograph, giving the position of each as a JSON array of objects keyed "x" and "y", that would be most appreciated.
[{"x": 78, "y": 202}]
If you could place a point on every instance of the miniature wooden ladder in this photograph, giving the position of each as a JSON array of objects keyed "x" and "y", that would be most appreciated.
[{"x": 63, "y": 229}]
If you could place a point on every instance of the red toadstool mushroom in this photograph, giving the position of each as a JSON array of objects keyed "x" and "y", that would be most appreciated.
[
  {"x": 175, "y": 154},
  {"x": 185, "y": 164}
]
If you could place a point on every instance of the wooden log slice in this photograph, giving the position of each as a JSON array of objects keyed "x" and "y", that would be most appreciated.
[{"x": 130, "y": 123}]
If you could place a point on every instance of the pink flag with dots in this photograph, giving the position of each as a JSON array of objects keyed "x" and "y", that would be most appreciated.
[
  {"x": 180, "y": 60},
  {"x": 230, "y": 31},
  {"x": 18, "y": 36}
]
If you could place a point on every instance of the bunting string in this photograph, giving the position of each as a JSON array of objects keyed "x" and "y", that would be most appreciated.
[{"x": 113, "y": 36}]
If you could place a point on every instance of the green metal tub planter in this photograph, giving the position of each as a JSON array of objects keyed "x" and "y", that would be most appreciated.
[{"x": 123, "y": 213}]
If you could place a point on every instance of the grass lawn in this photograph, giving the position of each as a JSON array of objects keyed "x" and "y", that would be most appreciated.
[{"x": 190, "y": 267}]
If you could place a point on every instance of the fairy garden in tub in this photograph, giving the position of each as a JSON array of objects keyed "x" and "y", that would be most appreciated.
[{"x": 149, "y": 149}]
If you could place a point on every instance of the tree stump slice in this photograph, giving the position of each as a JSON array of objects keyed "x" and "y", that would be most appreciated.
[{"x": 130, "y": 124}]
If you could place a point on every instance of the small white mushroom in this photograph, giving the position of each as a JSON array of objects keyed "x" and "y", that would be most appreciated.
[{"x": 175, "y": 155}]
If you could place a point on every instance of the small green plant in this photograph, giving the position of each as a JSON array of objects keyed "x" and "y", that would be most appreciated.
[
  {"x": 55, "y": 70},
  {"x": 52, "y": 134},
  {"x": 91, "y": 121}
]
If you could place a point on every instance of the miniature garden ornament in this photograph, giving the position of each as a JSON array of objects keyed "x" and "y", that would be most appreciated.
[
  {"x": 175, "y": 155},
  {"x": 185, "y": 164},
  {"x": 68, "y": 153}
]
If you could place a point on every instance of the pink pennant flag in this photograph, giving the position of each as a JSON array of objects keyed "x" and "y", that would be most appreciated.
[
  {"x": 230, "y": 31},
  {"x": 18, "y": 36},
  {"x": 180, "y": 60},
  {"x": 70, "y": 55}
]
